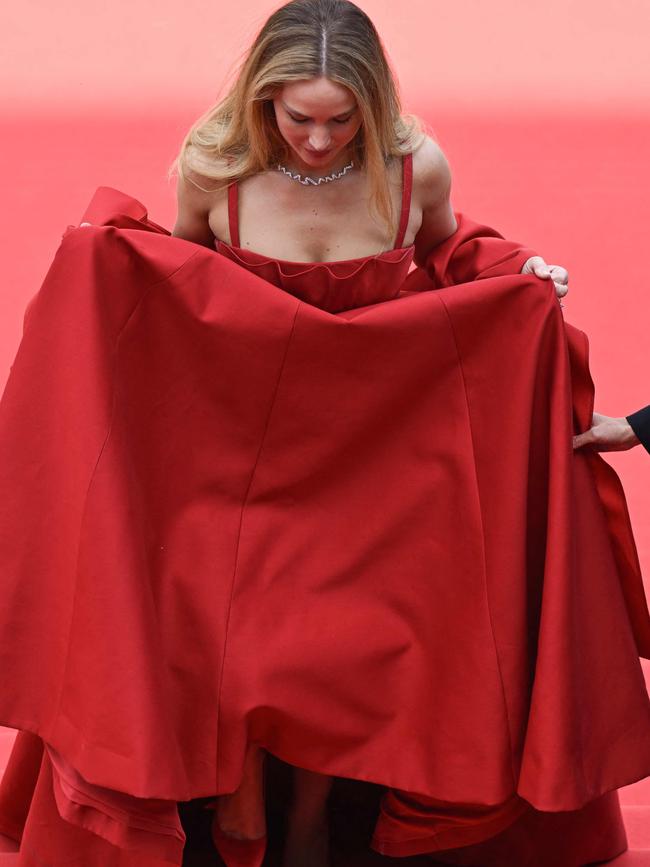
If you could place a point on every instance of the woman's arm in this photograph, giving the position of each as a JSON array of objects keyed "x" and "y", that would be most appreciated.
[
  {"x": 194, "y": 210},
  {"x": 432, "y": 188},
  {"x": 472, "y": 250}
]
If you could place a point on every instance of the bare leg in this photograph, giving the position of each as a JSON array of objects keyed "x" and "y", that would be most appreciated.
[
  {"x": 242, "y": 813},
  {"x": 307, "y": 831}
]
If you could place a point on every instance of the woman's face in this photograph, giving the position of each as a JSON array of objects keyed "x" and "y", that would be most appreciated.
[{"x": 318, "y": 118}]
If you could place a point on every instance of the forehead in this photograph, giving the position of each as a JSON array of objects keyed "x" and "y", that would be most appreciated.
[{"x": 315, "y": 96}]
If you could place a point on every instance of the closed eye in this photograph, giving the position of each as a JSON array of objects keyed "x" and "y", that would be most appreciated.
[{"x": 305, "y": 119}]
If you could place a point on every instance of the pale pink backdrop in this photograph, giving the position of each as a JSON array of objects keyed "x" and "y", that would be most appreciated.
[{"x": 541, "y": 107}]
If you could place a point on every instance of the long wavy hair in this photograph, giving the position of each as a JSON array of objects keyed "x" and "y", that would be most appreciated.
[{"x": 238, "y": 136}]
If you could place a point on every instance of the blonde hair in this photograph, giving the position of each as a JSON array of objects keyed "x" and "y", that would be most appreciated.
[{"x": 238, "y": 136}]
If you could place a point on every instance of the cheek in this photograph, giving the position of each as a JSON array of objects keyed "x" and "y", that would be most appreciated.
[
  {"x": 286, "y": 130},
  {"x": 292, "y": 133},
  {"x": 351, "y": 132}
]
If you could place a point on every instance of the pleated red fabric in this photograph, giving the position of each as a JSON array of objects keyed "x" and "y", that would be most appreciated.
[{"x": 359, "y": 538}]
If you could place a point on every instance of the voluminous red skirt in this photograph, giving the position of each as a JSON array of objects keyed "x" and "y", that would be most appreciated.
[
  {"x": 361, "y": 540},
  {"x": 515, "y": 835}
]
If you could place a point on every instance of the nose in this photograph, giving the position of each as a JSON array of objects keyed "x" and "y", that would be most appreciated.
[{"x": 319, "y": 140}]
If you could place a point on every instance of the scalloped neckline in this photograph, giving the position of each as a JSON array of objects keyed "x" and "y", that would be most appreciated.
[{"x": 354, "y": 260}]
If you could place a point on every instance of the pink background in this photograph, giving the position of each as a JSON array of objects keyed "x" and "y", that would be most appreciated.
[{"x": 541, "y": 108}]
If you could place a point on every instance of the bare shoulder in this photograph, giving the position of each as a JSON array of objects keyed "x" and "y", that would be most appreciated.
[
  {"x": 431, "y": 191},
  {"x": 431, "y": 173},
  {"x": 198, "y": 191},
  {"x": 198, "y": 196}
]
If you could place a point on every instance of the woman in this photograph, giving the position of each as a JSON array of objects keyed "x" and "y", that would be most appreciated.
[
  {"x": 288, "y": 505},
  {"x": 315, "y": 94},
  {"x": 315, "y": 98}
]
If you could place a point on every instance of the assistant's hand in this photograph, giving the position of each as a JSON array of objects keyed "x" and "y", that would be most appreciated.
[
  {"x": 560, "y": 276},
  {"x": 607, "y": 434}
]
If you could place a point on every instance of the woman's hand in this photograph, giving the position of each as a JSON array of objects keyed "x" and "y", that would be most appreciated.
[
  {"x": 560, "y": 276},
  {"x": 607, "y": 434}
]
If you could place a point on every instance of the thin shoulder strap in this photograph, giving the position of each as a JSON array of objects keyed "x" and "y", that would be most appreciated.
[
  {"x": 233, "y": 215},
  {"x": 407, "y": 186}
]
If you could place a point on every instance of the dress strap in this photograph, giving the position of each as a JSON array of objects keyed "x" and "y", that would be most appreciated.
[
  {"x": 233, "y": 215},
  {"x": 407, "y": 186}
]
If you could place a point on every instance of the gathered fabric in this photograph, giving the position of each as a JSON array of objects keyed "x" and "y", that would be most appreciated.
[{"x": 359, "y": 537}]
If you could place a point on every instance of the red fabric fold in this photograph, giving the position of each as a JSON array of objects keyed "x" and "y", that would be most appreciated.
[
  {"x": 228, "y": 515},
  {"x": 476, "y": 251}
]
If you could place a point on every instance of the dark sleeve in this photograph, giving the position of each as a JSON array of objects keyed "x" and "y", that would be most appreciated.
[{"x": 640, "y": 423}]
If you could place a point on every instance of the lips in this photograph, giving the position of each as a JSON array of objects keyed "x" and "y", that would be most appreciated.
[{"x": 319, "y": 153}]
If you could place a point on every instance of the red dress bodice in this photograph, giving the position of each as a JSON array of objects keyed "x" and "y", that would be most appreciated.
[{"x": 337, "y": 285}]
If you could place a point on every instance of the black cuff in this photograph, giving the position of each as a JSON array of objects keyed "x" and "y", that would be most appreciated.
[{"x": 640, "y": 424}]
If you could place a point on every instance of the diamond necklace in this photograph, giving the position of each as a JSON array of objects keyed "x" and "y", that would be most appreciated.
[{"x": 295, "y": 176}]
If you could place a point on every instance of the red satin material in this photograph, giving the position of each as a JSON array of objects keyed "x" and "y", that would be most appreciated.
[
  {"x": 331, "y": 286},
  {"x": 359, "y": 538},
  {"x": 611, "y": 494}
]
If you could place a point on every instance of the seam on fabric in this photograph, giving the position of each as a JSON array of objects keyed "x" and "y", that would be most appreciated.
[
  {"x": 485, "y": 582},
  {"x": 239, "y": 528},
  {"x": 116, "y": 348}
]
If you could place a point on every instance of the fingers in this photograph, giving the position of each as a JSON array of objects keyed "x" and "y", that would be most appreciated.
[
  {"x": 584, "y": 439},
  {"x": 560, "y": 289},
  {"x": 607, "y": 434},
  {"x": 560, "y": 274},
  {"x": 560, "y": 280},
  {"x": 537, "y": 266}
]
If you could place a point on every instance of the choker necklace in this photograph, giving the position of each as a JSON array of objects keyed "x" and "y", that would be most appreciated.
[{"x": 315, "y": 181}]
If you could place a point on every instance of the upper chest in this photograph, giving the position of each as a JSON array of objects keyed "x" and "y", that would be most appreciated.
[{"x": 280, "y": 218}]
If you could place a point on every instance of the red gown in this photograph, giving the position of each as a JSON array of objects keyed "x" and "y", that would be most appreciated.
[{"x": 330, "y": 508}]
